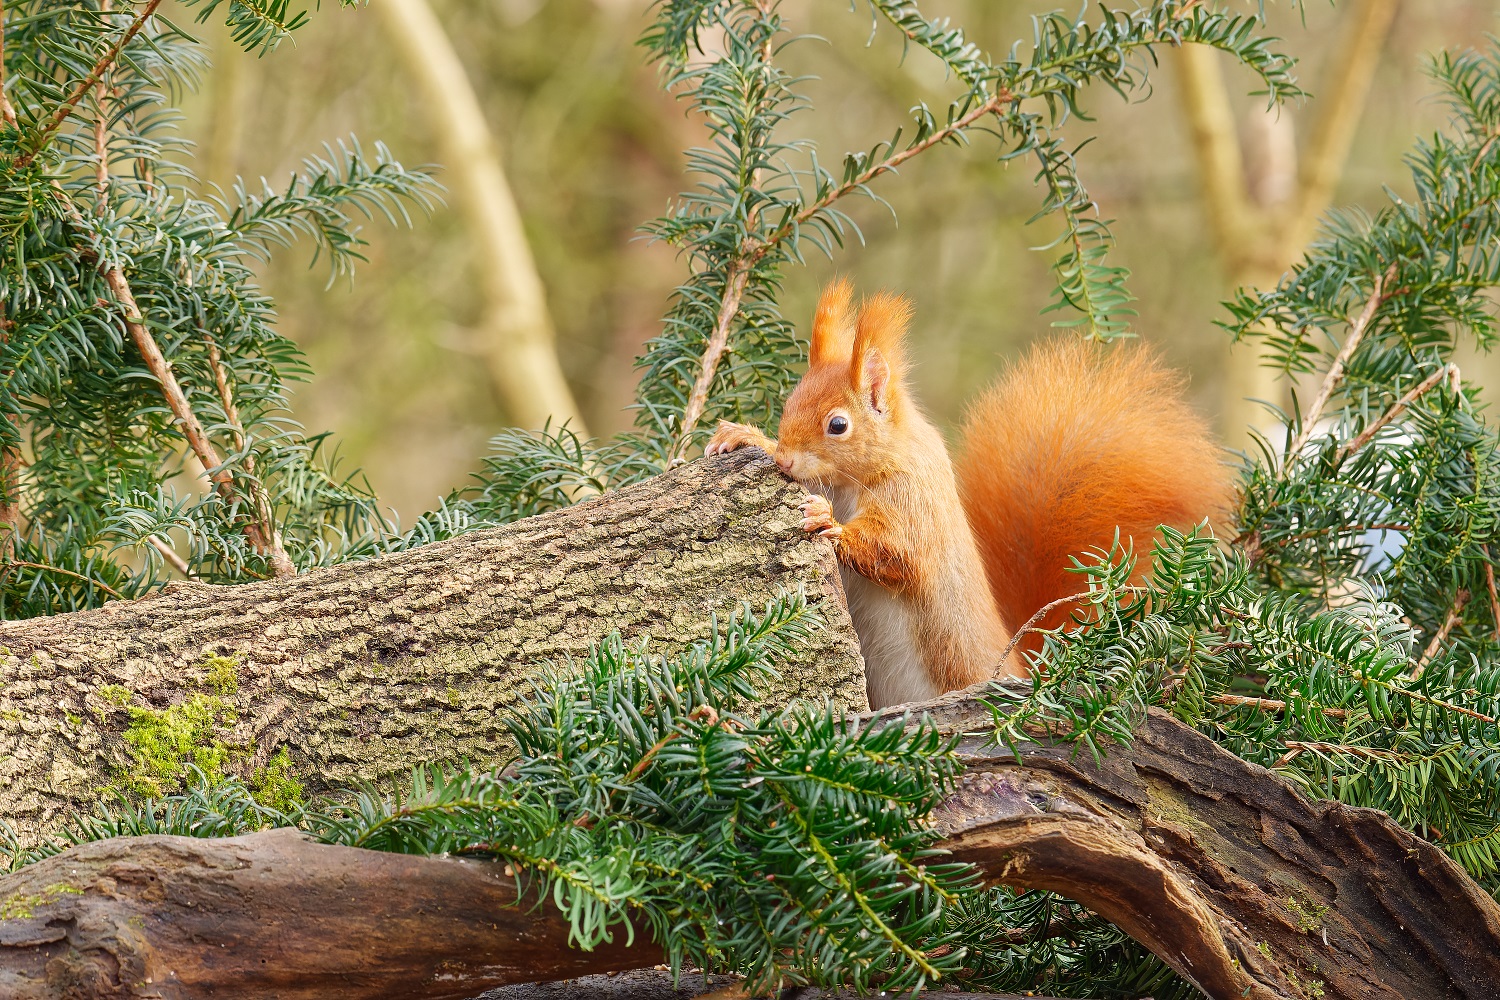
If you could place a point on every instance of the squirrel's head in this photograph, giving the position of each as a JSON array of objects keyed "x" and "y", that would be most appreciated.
[{"x": 841, "y": 422}]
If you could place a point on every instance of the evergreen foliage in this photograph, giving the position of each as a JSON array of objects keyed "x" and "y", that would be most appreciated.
[
  {"x": 1345, "y": 638},
  {"x": 135, "y": 346}
]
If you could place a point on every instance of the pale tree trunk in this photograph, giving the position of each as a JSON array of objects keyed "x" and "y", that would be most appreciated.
[
  {"x": 518, "y": 342},
  {"x": 1230, "y": 876},
  {"x": 1261, "y": 220}
]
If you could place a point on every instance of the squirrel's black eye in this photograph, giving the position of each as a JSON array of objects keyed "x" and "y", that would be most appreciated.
[{"x": 838, "y": 425}]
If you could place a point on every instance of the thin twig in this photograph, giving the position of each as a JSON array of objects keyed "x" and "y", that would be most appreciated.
[
  {"x": 1441, "y": 636},
  {"x": 65, "y": 572},
  {"x": 700, "y": 714},
  {"x": 1489, "y": 582},
  {"x": 6, "y": 109},
  {"x": 737, "y": 278},
  {"x": 10, "y": 469},
  {"x": 1336, "y": 370},
  {"x": 1031, "y": 622},
  {"x": 226, "y": 399},
  {"x": 1344, "y": 528},
  {"x": 890, "y": 163},
  {"x": 101, "y": 133},
  {"x": 1267, "y": 704},
  {"x": 1447, "y": 373},
  {"x": 170, "y": 555},
  {"x": 1295, "y": 748},
  {"x": 68, "y": 106},
  {"x": 1440, "y": 703}
]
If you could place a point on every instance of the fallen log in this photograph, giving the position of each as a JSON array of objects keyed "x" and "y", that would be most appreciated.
[
  {"x": 276, "y": 915},
  {"x": 1237, "y": 881},
  {"x": 363, "y": 669}
]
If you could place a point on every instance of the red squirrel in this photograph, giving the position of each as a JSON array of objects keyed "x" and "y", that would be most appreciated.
[{"x": 1070, "y": 444}]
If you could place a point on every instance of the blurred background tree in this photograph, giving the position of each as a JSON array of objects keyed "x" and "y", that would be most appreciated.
[{"x": 409, "y": 358}]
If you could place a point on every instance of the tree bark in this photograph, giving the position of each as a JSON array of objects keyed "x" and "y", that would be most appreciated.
[
  {"x": 1228, "y": 874},
  {"x": 365, "y": 669},
  {"x": 1241, "y": 884}
]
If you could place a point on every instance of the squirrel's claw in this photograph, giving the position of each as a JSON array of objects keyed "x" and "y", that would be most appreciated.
[
  {"x": 732, "y": 437},
  {"x": 818, "y": 519}
]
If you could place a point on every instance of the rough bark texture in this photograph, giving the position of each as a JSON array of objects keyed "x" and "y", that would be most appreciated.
[
  {"x": 1223, "y": 870},
  {"x": 275, "y": 915},
  {"x": 365, "y": 669}
]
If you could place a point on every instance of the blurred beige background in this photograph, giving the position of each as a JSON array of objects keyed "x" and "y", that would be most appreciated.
[{"x": 592, "y": 148}]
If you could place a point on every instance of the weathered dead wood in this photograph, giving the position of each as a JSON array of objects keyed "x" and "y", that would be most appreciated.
[
  {"x": 1223, "y": 870},
  {"x": 364, "y": 669},
  {"x": 276, "y": 915},
  {"x": 1240, "y": 883}
]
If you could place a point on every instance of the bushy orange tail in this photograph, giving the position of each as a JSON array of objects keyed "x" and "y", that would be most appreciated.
[{"x": 1072, "y": 442}]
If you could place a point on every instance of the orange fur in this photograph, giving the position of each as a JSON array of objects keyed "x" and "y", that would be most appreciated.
[
  {"x": 832, "y": 331},
  {"x": 909, "y": 557},
  {"x": 880, "y": 346},
  {"x": 1073, "y": 441},
  {"x": 877, "y": 549}
]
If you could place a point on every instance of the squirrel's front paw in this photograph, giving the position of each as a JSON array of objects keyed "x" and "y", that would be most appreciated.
[
  {"x": 732, "y": 437},
  {"x": 817, "y": 517}
]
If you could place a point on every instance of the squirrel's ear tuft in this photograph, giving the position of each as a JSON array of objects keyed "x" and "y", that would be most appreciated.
[
  {"x": 833, "y": 325},
  {"x": 879, "y": 357}
]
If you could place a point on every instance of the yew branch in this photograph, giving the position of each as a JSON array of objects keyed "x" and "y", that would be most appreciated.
[
  {"x": 259, "y": 530},
  {"x": 1448, "y": 373},
  {"x": 1335, "y": 373},
  {"x": 70, "y": 103}
]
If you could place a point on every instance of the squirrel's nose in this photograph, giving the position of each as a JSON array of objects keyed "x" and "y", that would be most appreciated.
[{"x": 785, "y": 463}]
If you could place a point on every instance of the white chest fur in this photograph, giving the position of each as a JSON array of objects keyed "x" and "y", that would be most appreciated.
[{"x": 887, "y": 628}]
